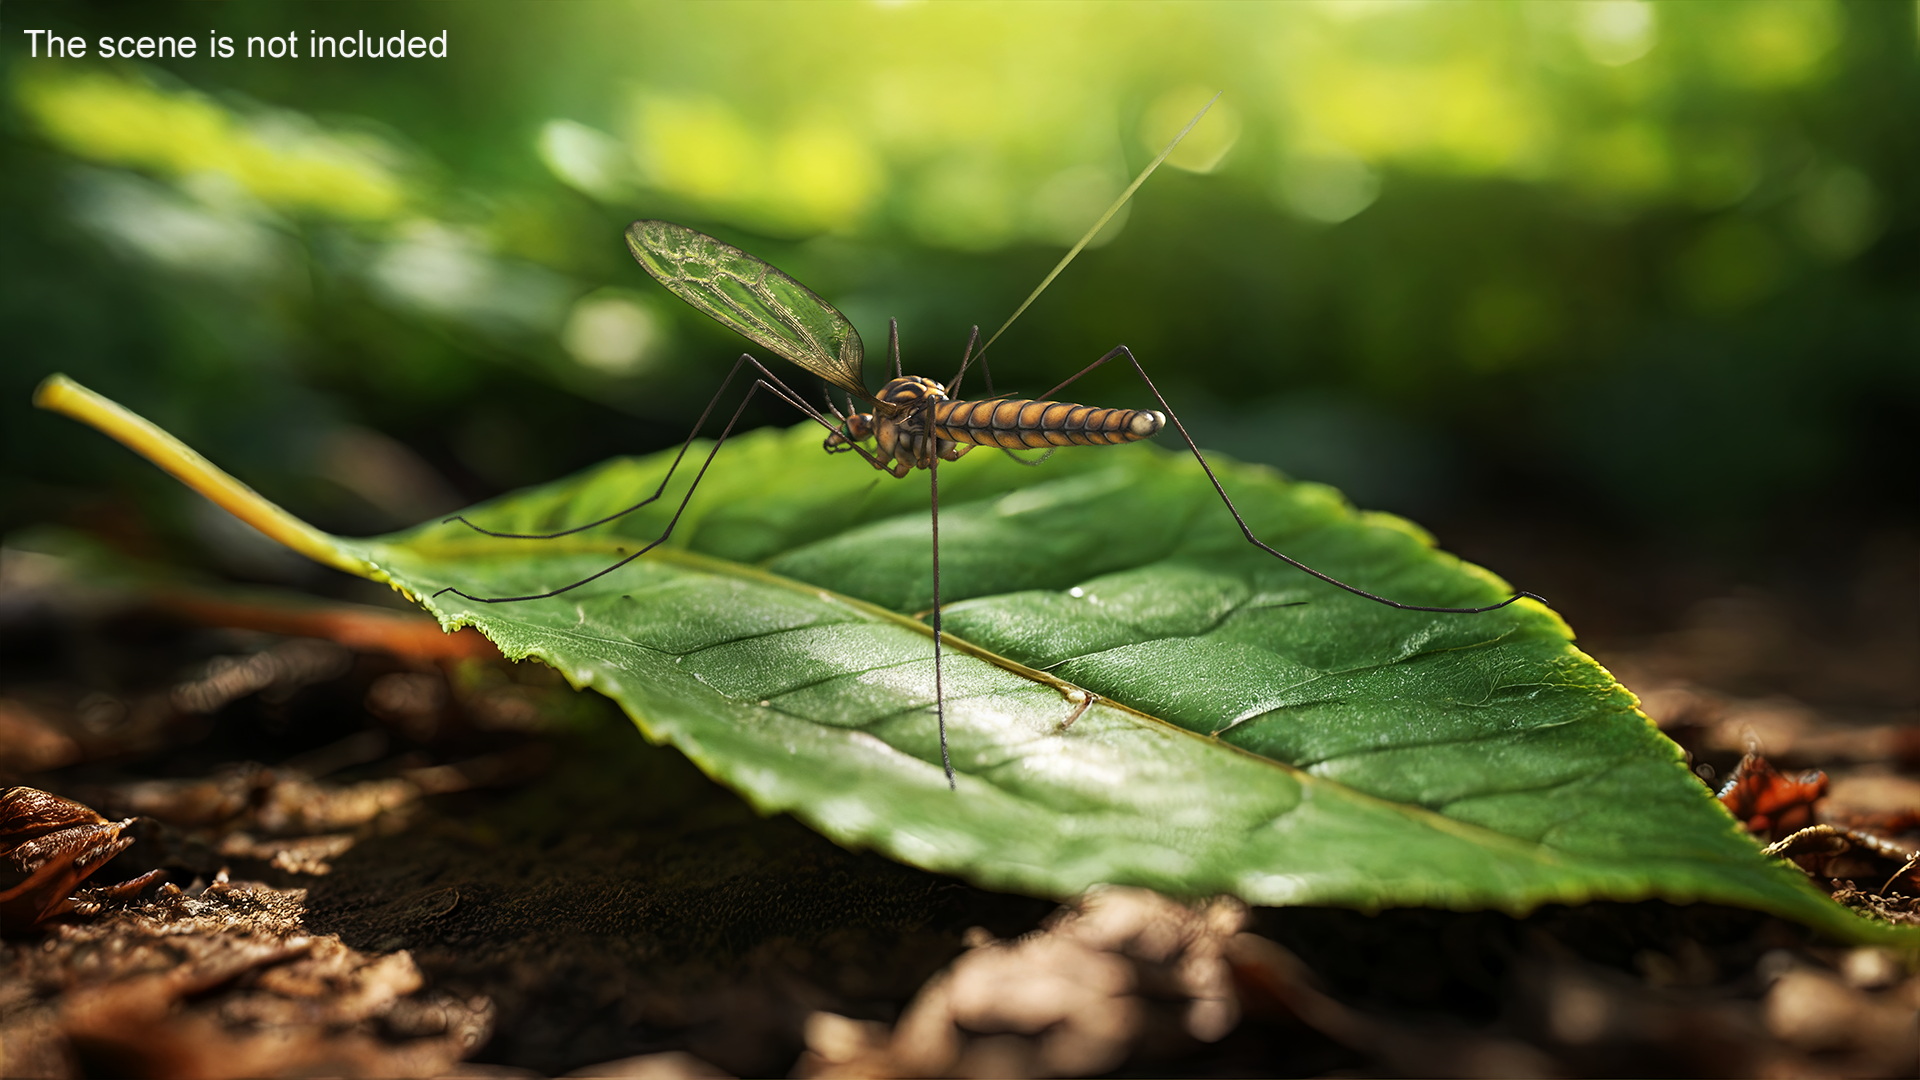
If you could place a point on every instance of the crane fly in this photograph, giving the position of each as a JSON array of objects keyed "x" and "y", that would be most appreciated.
[{"x": 913, "y": 422}]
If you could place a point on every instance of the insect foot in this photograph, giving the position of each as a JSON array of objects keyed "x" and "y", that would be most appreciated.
[{"x": 48, "y": 846}]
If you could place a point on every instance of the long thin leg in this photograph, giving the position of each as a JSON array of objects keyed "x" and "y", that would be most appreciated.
[
  {"x": 1245, "y": 530},
  {"x": 966, "y": 358},
  {"x": 779, "y": 389},
  {"x": 939, "y": 688},
  {"x": 1036, "y": 462},
  {"x": 691, "y": 435},
  {"x": 775, "y": 387},
  {"x": 953, "y": 390}
]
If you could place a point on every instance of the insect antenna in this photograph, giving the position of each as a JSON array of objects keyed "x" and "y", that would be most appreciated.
[
  {"x": 893, "y": 344},
  {"x": 1092, "y": 232},
  {"x": 845, "y": 417}
]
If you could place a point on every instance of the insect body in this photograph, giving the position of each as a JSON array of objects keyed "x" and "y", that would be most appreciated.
[
  {"x": 911, "y": 405},
  {"x": 913, "y": 420}
]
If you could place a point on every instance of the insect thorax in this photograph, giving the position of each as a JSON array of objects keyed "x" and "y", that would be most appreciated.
[
  {"x": 898, "y": 426},
  {"x": 903, "y": 394}
]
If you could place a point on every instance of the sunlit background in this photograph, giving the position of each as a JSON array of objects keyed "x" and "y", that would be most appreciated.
[{"x": 1645, "y": 272}]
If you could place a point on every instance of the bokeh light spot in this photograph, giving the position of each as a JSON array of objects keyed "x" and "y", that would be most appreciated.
[
  {"x": 585, "y": 159},
  {"x": 698, "y": 148},
  {"x": 1328, "y": 187},
  {"x": 159, "y": 224},
  {"x": 1069, "y": 201},
  {"x": 612, "y": 331},
  {"x": 1616, "y": 32},
  {"x": 280, "y": 158},
  {"x": 823, "y": 176},
  {"x": 1772, "y": 43}
]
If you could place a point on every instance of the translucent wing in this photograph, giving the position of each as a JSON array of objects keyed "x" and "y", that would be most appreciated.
[{"x": 768, "y": 307}]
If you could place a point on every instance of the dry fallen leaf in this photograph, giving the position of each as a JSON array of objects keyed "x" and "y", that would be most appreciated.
[
  {"x": 48, "y": 846},
  {"x": 225, "y": 982},
  {"x": 1121, "y": 972}
]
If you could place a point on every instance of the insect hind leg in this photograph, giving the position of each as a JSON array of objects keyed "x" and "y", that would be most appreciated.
[
  {"x": 766, "y": 380},
  {"x": 1247, "y": 531}
]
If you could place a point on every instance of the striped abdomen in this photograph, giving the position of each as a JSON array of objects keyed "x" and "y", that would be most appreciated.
[{"x": 1020, "y": 424}]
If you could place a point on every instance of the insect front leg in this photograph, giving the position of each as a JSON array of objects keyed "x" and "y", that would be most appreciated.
[
  {"x": 895, "y": 450},
  {"x": 664, "y": 481},
  {"x": 1246, "y": 530},
  {"x": 767, "y": 381}
]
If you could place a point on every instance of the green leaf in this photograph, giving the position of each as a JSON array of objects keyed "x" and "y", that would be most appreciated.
[{"x": 1256, "y": 732}]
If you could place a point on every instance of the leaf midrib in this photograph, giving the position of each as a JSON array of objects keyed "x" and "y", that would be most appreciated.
[{"x": 1476, "y": 834}]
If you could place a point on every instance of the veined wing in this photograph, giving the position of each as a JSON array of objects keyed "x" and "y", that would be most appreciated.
[{"x": 766, "y": 306}]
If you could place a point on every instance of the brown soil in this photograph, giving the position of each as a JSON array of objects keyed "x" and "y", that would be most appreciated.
[{"x": 391, "y": 855}]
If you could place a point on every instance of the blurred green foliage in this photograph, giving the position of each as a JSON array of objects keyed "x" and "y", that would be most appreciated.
[{"x": 1641, "y": 260}]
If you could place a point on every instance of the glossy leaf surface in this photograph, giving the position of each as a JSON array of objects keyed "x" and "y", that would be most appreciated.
[{"x": 1255, "y": 732}]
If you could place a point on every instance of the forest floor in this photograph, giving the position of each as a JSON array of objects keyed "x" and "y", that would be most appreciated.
[{"x": 387, "y": 852}]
